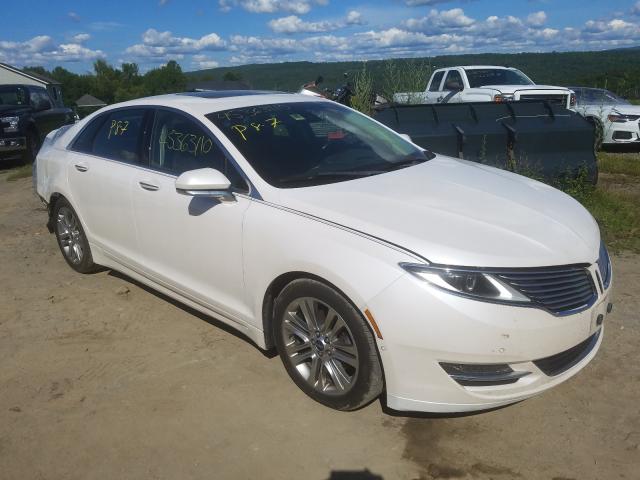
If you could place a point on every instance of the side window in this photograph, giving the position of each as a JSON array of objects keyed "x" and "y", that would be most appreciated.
[
  {"x": 120, "y": 136},
  {"x": 84, "y": 142},
  {"x": 453, "y": 81},
  {"x": 179, "y": 144},
  {"x": 435, "y": 82}
]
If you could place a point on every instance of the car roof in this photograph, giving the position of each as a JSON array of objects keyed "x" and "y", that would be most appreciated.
[
  {"x": 477, "y": 67},
  {"x": 209, "y": 101}
]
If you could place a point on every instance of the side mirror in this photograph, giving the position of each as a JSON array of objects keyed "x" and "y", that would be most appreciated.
[
  {"x": 205, "y": 182},
  {"x": 406, "y": 137},
  {"x": 453, "y": 87}
]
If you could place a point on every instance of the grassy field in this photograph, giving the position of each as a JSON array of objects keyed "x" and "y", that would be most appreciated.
[
  {"x": 614, "y": 202},
  {"x": 19, "y": 172}
]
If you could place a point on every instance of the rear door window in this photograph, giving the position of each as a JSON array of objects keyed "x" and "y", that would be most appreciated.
[{"x": 117, "y": 135}]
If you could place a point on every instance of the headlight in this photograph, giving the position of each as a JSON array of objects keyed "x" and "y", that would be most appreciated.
[
  {"x": 11, "y": 123},
  {"x": 621, "y": 118},
  {"x": 604, "y": 265},
  {"x": 467, "y": 282},
  {"x": 504, "y": 97}
]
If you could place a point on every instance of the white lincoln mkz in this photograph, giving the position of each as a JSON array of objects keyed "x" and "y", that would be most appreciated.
[{"x": 372, "y": 266}]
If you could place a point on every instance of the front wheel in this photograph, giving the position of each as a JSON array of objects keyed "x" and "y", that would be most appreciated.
[{"x": 326, "y": 346}]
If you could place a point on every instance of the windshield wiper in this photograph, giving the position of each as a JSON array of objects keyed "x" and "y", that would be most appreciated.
[
  {"x": 324, "y": 175},
  {"x": 407, "y": 162}
]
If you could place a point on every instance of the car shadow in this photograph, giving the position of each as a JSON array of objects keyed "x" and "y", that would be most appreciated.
[
  {"x": 434, "y": 415},
  {"x": 192, "y": 311},
  {"x": 354, "y": 475},
  {"x": 6, "y": 165}
]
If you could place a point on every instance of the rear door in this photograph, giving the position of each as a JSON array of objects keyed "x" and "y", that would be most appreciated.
[
  {"x": 104, "y": 161},
  {"x": 192, "y": 245}
]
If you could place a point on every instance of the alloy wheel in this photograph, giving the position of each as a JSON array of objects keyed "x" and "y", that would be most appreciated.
[
  {"x": 69, "y": 235},
  {"x": 320, "y": 346}
]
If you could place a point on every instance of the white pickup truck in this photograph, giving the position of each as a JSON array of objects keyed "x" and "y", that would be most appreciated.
[{"x": 483, "y": 83}]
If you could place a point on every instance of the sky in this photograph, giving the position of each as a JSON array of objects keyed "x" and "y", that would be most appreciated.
[{"x": 202, "y": 34}]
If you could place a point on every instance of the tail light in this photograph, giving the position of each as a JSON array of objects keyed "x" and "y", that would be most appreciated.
[{"x": 572, "y": 100}]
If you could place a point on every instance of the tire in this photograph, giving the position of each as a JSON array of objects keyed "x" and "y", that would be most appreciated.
[
  {"x": 71, "y": 238},
  {"x": 336, "y": 363},
  {"x": 33, "y": 146}
]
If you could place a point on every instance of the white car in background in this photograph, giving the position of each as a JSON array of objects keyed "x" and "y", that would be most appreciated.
[
  {"x": 485, "y": 83},
  {"x": 373, "y": 266},
  {"x": 617, "y": 121}
]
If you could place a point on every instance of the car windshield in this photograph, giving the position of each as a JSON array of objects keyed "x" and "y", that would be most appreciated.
[
  {"x": 13, "y": 95},
  {"x": 480, "y": 77},
  {"x": 598, "y": 96},
  {"x": 314, "y": 143}
]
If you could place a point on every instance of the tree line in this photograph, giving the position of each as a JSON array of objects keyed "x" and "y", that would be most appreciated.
[{"x": 617, "y": 70}]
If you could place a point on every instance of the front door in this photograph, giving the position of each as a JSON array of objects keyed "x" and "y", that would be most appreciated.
[{"x": 192, "y": 245}]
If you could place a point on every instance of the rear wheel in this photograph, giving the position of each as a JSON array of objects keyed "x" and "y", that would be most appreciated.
[
  {"x": 326, "y": 346},
  {"x": 71, "y": 238}
]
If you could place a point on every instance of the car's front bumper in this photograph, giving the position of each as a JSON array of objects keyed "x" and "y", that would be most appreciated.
[
  {"x": 622, "y": 132},
  {"x": 12, "y": 146},
  {"x": 423, "y": 327}
]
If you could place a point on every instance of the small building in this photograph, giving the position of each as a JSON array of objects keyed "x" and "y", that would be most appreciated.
[
  {"x": 89, "y": 101},
  {"x": 14, "y": 76}
]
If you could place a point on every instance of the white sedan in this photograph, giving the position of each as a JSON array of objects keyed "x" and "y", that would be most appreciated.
[
  {"x": 372, "y": 266},
  {"x": 616, "y": 120}
]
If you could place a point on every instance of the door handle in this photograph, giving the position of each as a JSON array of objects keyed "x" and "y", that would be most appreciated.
[
  {"x": 81, "y": 167},
  {"x": 149, "y": 186}
]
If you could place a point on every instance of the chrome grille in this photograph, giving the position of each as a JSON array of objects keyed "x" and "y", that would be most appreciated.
[
  {"x": 557, "y": 99},
  {"x": 559, "y": 290}
]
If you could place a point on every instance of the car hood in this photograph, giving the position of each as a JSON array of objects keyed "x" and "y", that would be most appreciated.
[
  {"x": 456, "y": 212},
  {"x": 627, "y": 109},
  {"x": 521, "y": 88}
]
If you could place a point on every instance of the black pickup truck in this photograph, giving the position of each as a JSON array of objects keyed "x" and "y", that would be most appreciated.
[{"x": 27, "y": 115}]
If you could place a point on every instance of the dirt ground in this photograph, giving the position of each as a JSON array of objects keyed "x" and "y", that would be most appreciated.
[{"x": 101, "y": 378}]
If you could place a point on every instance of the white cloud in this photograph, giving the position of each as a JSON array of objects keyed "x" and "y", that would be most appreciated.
[
  {"x": 299, "y": 7},
  {"x": 81, "y": 37},
  {"x": 440, "y": 21},
  {"x": 537, "y": 19},
  {"x": 42, "y": 50},
  {"x": 165, "y": 45},
  {"x": 354, "y": 18},
  {"x": 74, "y": 16},
  {"x": 417, "y": 3},
  {"x": 294, "y": 24},
  {"x": 202, "y": 61}
]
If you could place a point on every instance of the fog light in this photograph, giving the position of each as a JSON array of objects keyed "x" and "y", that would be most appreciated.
[{"x": 482, "y": 375}]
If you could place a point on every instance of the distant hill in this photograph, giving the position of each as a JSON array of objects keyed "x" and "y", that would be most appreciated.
[{"x": 618, "y": 69}]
